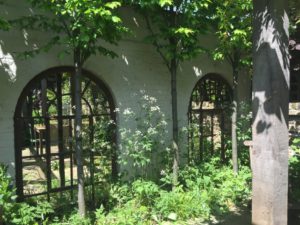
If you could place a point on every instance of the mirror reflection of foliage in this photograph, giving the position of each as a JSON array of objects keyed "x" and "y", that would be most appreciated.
[
  {"x": 244, "y": 133},
  {"x": 98, "y": 143},
  {"x": 104, "y": 148},
  {"x": 207, "y": 143},
  {"x": 294, "y": 14},
  {"x": 142, "y": 144}
]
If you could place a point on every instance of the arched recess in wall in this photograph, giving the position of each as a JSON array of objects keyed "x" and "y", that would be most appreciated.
[
  {"x": 44, "y": 135},
  {"x": 209, "y": 118}
]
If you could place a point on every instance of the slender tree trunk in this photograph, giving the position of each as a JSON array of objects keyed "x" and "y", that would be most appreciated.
[
  {"x": 234, "y": 121},
  {"x": 270, "y": 113},
  {"x": 1, "y": 216},
  {"x": 173, "y": 70},
  {"x": 78, "y": 133}
]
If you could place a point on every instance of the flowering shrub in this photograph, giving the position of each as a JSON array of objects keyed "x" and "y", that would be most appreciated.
[{"x": 141, "y": 143}]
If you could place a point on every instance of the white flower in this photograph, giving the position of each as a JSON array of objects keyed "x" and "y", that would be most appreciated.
[
  {"x": 138, "y": 132},
  {"x": 162, "y": 172},
  {"x": 146, "y": 97},
  {"x": 152, "y": 99},
  {"x": 127, "y": 111},
  {"x": 151, "y": 130},
  {"x": 164, "y": 123},
  {"x": 154, "y": 108},
  {"x": 111, "y": 122}
]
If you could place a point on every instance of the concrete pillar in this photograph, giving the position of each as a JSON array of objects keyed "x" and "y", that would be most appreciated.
[{"x": 270, "y": 112}]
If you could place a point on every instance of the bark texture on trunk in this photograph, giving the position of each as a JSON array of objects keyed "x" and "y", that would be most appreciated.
[
  {"x": 173, "y": 71},
  {"x": 270, "y": 113},
  {"x": 78, "y": 134}
]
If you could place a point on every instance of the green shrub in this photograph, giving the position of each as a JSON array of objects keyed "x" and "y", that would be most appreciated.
[
  {"x": 145, "y": 192},
  {"x": 203, "y": 191},
  {"x": 73, "y": 219},
  {"x": 182, "y": 204},
  {"x": 220, "y": 189},
  {"x": 131, "y": 213},
  {"x": 19, "y": 213},
  {"x": 7, "y": 196},
  {"x": 294, "y": 171}
]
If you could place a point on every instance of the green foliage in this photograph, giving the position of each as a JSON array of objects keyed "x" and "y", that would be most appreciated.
[
  {"x": 208, "y": 189},
  {"x": 119, "y": 194},
  {"x": 7, "y": 196},
  {"x": 244, "y": 132},
  {"x": 20, "y": 213},
  {"x": 180, "y": 204},
  {"x": 4, "y": 24},
  {"x": 78, "y": 25},
  {"x": 233, "y": 24},
  {"x": 130, "y": 214},
  {"x": 294, "y": 170},
  {"x": 294, "y": 14},
  {"x": 73, "y": 219},
  {"x": 203, "y": 191},
  {"x": 102, "y": 148},
  {"x": 145, "y": 192},
  {"x": 175, "y": 26}
]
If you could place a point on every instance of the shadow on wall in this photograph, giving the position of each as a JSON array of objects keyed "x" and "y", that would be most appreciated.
[{"x": 15, "y": 42}]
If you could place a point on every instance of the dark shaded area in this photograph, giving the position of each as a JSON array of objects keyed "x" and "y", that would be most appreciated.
[{"x": 243, "y": 217}]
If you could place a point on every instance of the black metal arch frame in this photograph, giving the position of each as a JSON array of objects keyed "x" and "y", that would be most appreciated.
[
  {"x": 61, "y": 69},
  {"x": 19, "y": 118},
  {"x": 214, "y": 89}
]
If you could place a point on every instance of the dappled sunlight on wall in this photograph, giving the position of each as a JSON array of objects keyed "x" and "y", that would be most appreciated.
[
  {"x": 8, "y": 64},
  {"x": 198, "y": 72}
]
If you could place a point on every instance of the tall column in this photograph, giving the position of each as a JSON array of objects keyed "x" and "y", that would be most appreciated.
[{"x": 270, "y": 112}]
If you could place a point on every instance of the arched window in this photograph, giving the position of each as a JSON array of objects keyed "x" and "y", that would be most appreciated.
[
  {"x": 44, "y": 135},
  {"x": 209, "y": 117}
]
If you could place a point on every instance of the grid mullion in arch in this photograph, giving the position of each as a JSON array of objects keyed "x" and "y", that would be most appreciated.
[
  {"x": 210, "y": 106},
  {"x": 44, "y": 128}
]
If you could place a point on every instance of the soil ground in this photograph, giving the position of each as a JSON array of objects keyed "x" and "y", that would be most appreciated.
[{"x": 244, "y": 218}]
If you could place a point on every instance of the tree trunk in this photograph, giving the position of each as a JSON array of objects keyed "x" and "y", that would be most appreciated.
[
  {"x": 234, "y": 120},
  {"x": 78, "y": 133},
  {"x": 270, "y": 113},
  {"x": 175, "y": 149}
]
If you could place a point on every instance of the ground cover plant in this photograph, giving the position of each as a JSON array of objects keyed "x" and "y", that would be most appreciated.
[
  {"x": 203, "y": 191},
  {"x": 13, "y": 212}
]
